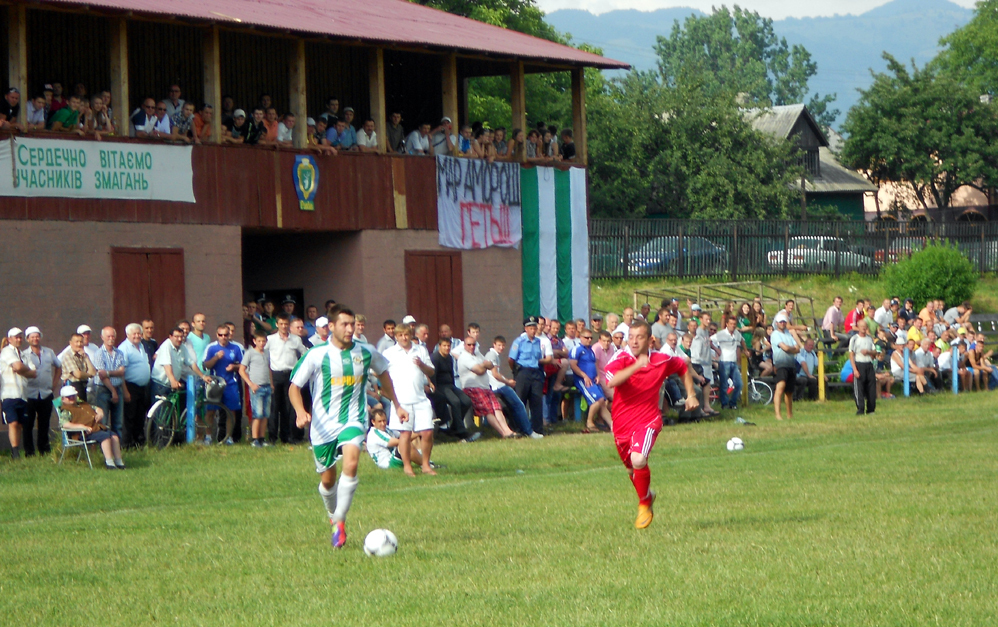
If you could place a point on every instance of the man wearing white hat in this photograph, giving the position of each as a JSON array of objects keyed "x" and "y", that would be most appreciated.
[
  {"x": 82, "y": 415},
  {"x": 45, "y": 363},
  {"x": 13, "y": 392},
  {"x": 321, "y": 331}
]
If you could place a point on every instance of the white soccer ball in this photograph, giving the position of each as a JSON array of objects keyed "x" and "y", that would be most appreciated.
[
  {"x": 735, "y": 444},
  {"x": 381, "y": 543}
]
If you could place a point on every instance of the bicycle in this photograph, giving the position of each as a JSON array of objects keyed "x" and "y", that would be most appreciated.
[
  {"x": 759, "y": 392},
  {"x": 166, "y": 420}
]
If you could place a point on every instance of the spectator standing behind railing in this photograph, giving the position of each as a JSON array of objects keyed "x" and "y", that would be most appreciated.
[
  {"x": 10, "y": 108},
  {"x": 272, "y": 125},
  {"x": 286, "y": 130},
  {"x": 99, "y": 123},
  {"x": 36, "y": 113},
  {"x": 443, "y": 140},
  {"x": 567, "y": 145},
  {"x": 332, "y": 112},
  {"x": 54, "y": 97},
  {"x": 202, "y": 125},
  {"x": 367, "y": 138},
  {"x": 183, "y": 122},
  {"x": 143, "y": 119},
  {"x": 395, "y": 134},
  {"x": 174, "y": 103},
  {"x": 418, "y": 142},
  {"x": 234, "y": 132},
  {"x": 254, "y": 132},
  {"x": 67, "y": 119}
]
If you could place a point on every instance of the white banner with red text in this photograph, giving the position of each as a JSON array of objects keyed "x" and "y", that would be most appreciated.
[
  {"x": 92, "y": 169},
  {"x": 478, "y": 203}
]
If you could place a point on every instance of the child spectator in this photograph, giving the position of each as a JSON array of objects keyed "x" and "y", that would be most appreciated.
[{"x": 255, "y": 372}]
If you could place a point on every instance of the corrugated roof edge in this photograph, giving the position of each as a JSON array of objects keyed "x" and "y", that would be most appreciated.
[{"x": 289, "y": 16}]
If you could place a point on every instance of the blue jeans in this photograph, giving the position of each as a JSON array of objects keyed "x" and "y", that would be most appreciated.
[
  {"x": 115, "y": 412},
  {"x": 729, "y": 370},
  {"x": 260, "y": 402},
  {"x": 517, "y": 409}
]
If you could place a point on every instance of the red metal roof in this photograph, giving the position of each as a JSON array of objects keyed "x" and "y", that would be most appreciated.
[{"x": 382, "y": 21}]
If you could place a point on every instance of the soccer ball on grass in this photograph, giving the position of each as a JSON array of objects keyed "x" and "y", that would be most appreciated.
[
  {"x": 381, "y": 543},
  {"x": 735, "y": 444}
]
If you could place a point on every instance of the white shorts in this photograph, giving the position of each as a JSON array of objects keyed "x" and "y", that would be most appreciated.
[{"x": 420, "y": 417}]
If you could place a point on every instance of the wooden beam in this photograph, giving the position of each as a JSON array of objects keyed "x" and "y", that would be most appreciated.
[
  {"x": 17, "y": 40},
  {"x": 120, "y": 104},
  {"x": 299, "y": 96},
  {"x": 519, "y": 99},
  {"x": 579, "y": 115},
  {"x": 450, "y": 89},
  {"x": 376, "y": 86},
  {"x": 213, "y": 80}
]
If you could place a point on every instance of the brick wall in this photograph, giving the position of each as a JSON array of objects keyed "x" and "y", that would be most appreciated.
[{"x": 57, "y": 275}]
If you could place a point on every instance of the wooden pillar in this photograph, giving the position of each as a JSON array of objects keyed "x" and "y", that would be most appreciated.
[
  {"x": 17, "y": 39},
  {"x": 119, "y": 75},
  {"x": 518, "y": 98},
  {"x": 579, "y": 115},
  {"x": 299, "y": 96},
  {"x": 213, "y": 80},
  {"x": 376, "y": 87},
  {"x": 450, "y": 90}
]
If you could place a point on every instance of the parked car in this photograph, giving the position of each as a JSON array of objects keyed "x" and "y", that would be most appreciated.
[
  {"x": 818, "y": 253},
  {"x": 660, "y": 256},
  {"x": 901, "y": 248}
]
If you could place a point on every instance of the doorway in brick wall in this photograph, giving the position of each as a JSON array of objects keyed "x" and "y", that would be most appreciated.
[
  {"x": 148, "y": 283},
  {"x": 435, "y": 290}
]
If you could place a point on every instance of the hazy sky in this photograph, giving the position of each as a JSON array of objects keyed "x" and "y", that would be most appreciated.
[{"x": 776, "y": 9}]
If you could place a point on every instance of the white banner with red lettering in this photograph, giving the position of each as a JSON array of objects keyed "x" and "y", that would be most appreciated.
[{"x": 478, "y": 203}]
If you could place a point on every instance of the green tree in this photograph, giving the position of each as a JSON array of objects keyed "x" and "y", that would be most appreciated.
[
  {"x": 938, "y": 271},
  {"x": 924, "y": 130},
  {"x": 970, "y": 53},
  {"x": 738, "y": 52},
  {"x": 684, "y": 151}
]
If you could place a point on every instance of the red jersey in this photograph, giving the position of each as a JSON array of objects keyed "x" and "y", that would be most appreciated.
[
  {"x": 635, "y": 402},
  {"x": 852, "y": 318}
]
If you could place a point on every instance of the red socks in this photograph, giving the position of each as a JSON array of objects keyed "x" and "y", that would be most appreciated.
[{"x": 641, "y": 478}]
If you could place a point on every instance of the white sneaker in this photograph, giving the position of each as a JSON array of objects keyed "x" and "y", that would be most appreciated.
[
  {"x": 207, "y": 440},
  {"x": 228, "y": 442},
  {"x": 536, "y": 436}
]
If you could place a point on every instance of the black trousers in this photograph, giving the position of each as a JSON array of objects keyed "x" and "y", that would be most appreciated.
[
  {"x": 447, "y": 400},
  {"x": 237, "y": 425},
  {"x": 864, "y": 385},
  {"x": 806, "y": 388},
  {"x": 282, "y": 416},
  {"x": 40, "y": 411},
  {"x": 135, "y": 415},
  {"x": 530, "y": 389}
]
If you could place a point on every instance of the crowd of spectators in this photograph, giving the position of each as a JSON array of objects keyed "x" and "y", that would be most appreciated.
[{"x": 174, "y": 119}]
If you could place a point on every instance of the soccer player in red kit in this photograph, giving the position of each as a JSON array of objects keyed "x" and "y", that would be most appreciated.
[{"x": 637, "y": 374}]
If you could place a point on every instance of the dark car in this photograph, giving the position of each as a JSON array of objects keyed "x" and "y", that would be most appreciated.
[{"x": 660, "y": 256}]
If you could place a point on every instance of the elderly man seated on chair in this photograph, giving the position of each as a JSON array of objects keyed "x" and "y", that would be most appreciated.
[{"x": 76, "y": 415}]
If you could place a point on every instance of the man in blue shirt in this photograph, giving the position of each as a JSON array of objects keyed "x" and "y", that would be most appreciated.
[
  {"x": 222, "y": 359},
  {"x": 137, "y": 374},
  {"x": 785, "y": 348},
  {"x": 526, "y": 358},
  {"x": 582, "y": 361}
]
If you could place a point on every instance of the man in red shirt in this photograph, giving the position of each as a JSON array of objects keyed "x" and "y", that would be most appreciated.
[
  {"x": 854, "y": 316},
  {"x": 636, "y": 373}
]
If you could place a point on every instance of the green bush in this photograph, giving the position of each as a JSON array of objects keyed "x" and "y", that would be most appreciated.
[{"x": 938, "y": 271}]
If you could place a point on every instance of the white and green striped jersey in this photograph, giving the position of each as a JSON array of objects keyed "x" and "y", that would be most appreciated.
[
  {"x": 377, "y": 446},
  {"x": 337, "y": 379}
]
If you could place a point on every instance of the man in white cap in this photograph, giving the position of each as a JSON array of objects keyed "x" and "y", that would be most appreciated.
[
  {"x": 13, "y": 392},
  {"x": 48, "y": 370},
  {"x": 785, "y": 349},
  {"x": 83, "y": 415},
  {"x": 321, "y": 331}
]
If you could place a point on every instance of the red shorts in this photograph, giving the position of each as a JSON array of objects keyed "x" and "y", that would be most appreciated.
[
  {"x": 640, "y": 440},
  {"x": 483, "y": 401}
]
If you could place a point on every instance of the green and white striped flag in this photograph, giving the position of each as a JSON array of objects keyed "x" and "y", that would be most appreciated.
[{"x": 555, "y": 243}]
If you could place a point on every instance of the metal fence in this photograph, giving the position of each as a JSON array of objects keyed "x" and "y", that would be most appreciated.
[{"x": 741, "y": 248}]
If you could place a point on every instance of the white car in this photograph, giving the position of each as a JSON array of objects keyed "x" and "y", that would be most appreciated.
[{"x": 818, "y": 253}]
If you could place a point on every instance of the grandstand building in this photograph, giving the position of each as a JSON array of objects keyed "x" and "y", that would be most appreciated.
[{"x": 92, "y": 251}]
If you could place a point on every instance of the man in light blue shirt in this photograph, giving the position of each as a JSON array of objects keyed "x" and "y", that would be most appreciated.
[
  {"x": 807, "y": 378},
  {"x": 784, "y": 350},
  {"x": 137, "y": 375}
]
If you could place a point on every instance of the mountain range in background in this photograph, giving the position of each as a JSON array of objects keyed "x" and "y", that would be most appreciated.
[{"x": 845, "y": 47}]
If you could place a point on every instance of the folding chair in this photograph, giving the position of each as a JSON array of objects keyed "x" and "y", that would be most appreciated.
[{"x": 69, "y": 442}]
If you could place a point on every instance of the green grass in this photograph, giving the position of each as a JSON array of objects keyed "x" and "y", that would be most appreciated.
[
  {"x": 614, "y": 295},
  {"x": 830, "y": 519}
]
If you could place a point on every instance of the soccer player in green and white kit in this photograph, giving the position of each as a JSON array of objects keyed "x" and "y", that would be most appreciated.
[{"x": 336, "y": 373}]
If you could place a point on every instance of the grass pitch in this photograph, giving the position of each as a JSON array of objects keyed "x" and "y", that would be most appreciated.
[{"x": 831, "y": 519}]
